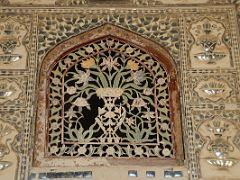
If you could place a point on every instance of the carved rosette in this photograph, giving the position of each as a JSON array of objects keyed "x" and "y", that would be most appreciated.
[
  {"x": 208, "y": 50},
  {"x": 213, "y": 89}
]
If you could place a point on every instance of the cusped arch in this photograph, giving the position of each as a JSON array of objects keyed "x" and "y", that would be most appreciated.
[{"x": 96, "y": 68}]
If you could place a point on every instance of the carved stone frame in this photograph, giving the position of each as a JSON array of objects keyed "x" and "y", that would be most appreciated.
[{"x": 155, "y": 50}]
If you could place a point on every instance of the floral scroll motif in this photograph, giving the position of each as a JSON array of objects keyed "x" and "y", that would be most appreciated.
[
  {"x": 213, "y": 89},
  {"x": 12, "y": 35},
  {"x": 209, "y": 50},
  {"x": 54, "y": 29},
  {"x": 115, "y": 103}
]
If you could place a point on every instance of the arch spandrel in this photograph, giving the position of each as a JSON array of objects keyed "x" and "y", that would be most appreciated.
[{"x": 47, "y": 154}]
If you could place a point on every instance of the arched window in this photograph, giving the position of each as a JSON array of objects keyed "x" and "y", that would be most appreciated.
[{"x": 104, "y": 96}]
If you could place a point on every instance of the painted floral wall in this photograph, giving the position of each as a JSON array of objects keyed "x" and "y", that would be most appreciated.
[{"x": 201, "y": 37}]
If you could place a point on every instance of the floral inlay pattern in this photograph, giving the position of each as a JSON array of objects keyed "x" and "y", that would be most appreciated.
[
  {"x": 109, "y": 99},
  {"x": 163, "y": 29}
]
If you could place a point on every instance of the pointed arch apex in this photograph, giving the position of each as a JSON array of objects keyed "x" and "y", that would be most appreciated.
[{"x": 111, "y": 30}]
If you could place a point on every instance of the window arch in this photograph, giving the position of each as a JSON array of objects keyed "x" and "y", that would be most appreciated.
[{"x": 106, "y": 95}]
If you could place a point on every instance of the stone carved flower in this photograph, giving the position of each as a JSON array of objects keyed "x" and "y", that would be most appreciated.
[
  {"x": 101, "y": 111},
  {"x": 89, "y": 49},
  {"x": 161, "y": 81},
  {"x": 54, "y": 125},
  {"x": 137, "y": 77},
  {"x": 84, "y": 77},
  {"x": 129, "y": 50},
  {"x": 110, "y": 151},
  {"x": 109, "y": 63},
  {"x": 82, "y": 150},
  {"x": 129, "y": 149},
  {"x": 164, "y": 126},
  {"x": 53, "y": 149},
  {"x": 149, "y": 115},
  {"x": 71, "y": 90},
  {"x": 88, "y": 63},
  {"x": 166, "y": 152},
  {"x": 110, "y": 114},
  {"x": 68, "y": 61},
  {"x": 138, "y": 102},
  {"x": 56, "y": 81},
  {"x": 56, "y": 102},
  {"x": 133, "y": 65},
  {"x": 71, "y": 113},
  {"x": 110, "y": 43},
  {"x": 147, "y": 91},
  {"x": 130, "y": 121},
  {"x": 117, "y": 110},
  {"x": 81, "y": 102},
  {"x": 139, "y": 151}
]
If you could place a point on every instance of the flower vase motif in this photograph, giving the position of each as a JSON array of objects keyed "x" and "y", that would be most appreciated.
[
  {"x": 12, "y": 49},
  {"x": 219, "y": 144},
  {"x": 111, "y": 116},
  {"x": 111, "y": 105},
  {"x": 208, "y": 50}
]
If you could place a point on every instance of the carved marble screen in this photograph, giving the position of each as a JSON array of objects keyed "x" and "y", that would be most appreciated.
[{"x": 104, "y": 96}]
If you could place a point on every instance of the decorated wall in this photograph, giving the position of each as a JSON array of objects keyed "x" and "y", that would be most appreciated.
[{"x": 199, "y": 38}]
